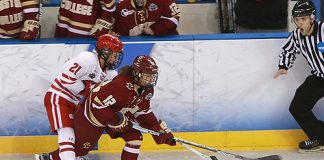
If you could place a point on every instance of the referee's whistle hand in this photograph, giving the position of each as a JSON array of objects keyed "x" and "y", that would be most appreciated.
[{"x": 279, "y": 73}]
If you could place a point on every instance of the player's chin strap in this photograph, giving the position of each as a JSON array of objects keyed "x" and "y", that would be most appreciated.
[{"x": 181, "y": 141}]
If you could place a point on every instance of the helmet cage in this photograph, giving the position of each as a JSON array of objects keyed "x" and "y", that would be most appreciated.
[
  {"x": 107, "y": 54},
  {"x": 110, "y": 49},
  {"x": 146, "y": 80},
  {"x": 145, "y": 71}
]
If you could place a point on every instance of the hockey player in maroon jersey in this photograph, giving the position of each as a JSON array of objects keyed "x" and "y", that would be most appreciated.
[
  {"x": 84, "y": 18},
  {"x": 147, "y": 17},
  {"x": 19, "y": 19},
  {"x": 111, "y": 106},
  {"x": 74, "y": 83}
]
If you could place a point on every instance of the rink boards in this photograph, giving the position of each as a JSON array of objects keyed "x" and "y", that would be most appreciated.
[
  {"x": 209, "y": 85},
  {"x": 237, "y": 140}
]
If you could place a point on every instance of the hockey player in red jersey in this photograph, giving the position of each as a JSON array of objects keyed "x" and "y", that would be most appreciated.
[
  {"x": 74, "y": 83},
  {"x": 147, "y": 17},
  {"x": 84, "y": 18},
  {"x": 19, "y": 19},
  {"x": 111, "y": 106}
]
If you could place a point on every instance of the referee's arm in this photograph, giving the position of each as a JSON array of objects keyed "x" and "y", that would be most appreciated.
[{"x": 288, "y": 55}]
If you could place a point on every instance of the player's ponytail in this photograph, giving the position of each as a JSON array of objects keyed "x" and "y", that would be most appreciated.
[{"x": 126, "y": 70}]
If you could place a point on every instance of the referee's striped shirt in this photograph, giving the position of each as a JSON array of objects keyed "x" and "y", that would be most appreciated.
[{"x": 308, "y": 46}]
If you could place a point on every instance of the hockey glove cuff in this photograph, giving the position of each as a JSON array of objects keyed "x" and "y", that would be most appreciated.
[
  {"x": 122, "y": 125},
  {"x": 30, "y": 30},
  {"x": 166, "y": 136},
  {"x": 101, "y": 27},
  {"x": 87, "y": 88},
  {"x": 137, "y": 30}
]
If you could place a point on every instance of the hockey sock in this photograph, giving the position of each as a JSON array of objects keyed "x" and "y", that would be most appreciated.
[
  {"x": 130, "y": 152},
  {"x": 66, "y": 140}
]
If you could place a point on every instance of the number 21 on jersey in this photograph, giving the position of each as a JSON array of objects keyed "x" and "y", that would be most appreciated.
[{"x": 75, "y": 68}]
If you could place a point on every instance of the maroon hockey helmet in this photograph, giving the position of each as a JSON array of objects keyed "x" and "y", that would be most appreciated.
[
  {"x": 145, "y": 71},
  {"x": 106, "y": 46}
]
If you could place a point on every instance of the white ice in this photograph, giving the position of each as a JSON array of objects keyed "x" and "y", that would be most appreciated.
[{"x": 186, "y": 155}]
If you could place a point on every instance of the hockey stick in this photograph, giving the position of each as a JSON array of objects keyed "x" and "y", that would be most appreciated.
[
  {"x": 201, "y": 155},
  {"x": 181, "y": 141}
]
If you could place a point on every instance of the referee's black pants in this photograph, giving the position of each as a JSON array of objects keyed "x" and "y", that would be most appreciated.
[{"x": 302, "y": 104}]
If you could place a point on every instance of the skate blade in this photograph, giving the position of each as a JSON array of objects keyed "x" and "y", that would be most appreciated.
[
  {"x": 317, "y": 149},
  {"x": 43, "y": 156},
  {"x": 37, "y": 157}
]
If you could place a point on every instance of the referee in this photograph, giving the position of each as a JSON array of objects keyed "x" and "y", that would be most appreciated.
[{"x": 306, "y": 39}]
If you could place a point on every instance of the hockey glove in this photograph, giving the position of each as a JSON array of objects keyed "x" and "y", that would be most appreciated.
[
  {"x": 147, "y": 28},
  {"x": 148, "y": 31},
  {"x": 82, "y": 100},
  {"x": 137, "y": 30},
  {"x": 30, "y": 30},
  {"x": 166, "y": 136},
  {"x": 85, "y": 92},
  {"x": 122, "y": 125},
  {"x": 87, "y": 88},
  {"x": 101, "y": 27}
]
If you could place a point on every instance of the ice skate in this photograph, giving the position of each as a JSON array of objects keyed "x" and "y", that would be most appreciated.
[
  {"x": 43, "y": 156},
  {"x": 81, "y": 158},
  {"x": 311, "y": 146}
]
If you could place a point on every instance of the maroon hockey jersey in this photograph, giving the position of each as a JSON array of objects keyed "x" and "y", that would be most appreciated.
[
  {"x": 161, "y": 15},
  {"x": 77, "y": 17},
  {"x": 13, "y": 13},
  {"x": 119, "y": 95}
]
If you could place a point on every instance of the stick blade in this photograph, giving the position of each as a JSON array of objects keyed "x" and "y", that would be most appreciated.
[
  {"x": 213, "y": 157},
  {"x": 271, "y": 157}
]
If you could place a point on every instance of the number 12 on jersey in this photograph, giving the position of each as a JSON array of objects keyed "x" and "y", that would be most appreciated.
[{"x": 110, "y": 100}]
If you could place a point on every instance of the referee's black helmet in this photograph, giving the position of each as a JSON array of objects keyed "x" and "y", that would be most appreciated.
[{"x": 303, "y": 8}]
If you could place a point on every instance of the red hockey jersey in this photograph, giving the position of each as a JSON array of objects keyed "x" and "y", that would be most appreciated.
[
  {"x": 13, "y": 13},
  {"x": 77, "y": 17},
  {"x": 119, "y": 95},
  {"x": 161, "y": 15}
]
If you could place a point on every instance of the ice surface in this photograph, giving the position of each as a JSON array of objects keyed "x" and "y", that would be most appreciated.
[{"x": 185, "y": 155}]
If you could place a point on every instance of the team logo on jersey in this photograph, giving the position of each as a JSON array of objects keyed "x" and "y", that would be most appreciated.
[
  {"x": 149, "y": 96},
  {"x": 130, "y": 86},
  {"x": 136, "y": 100},
  {"x": 320, "y": 46},
  {"x": 126, "y": 12},
  {"x": 86, "y": 145},
  {"x": 152, "y": 7},
  {"x": 102, "y": 76},
  {"x": 92, "y": 75},
  {"x": 71, "y": 116}
]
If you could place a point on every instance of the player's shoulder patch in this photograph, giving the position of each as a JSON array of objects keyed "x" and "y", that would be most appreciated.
[
  {"x": 149, "y": 96},
  {"x": 129, "y": 86},
  {"x": 153, "y": 7},
  {"x": 92, "y": 75}
]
